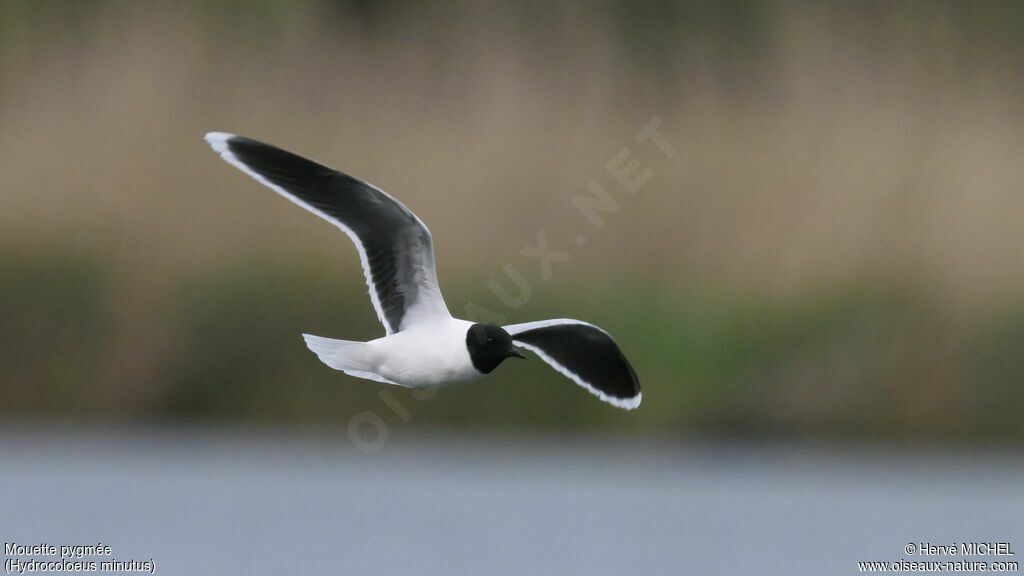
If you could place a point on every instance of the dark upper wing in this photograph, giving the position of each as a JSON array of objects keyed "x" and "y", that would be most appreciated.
[
  {"x": 584, "y": 353},
  {"x": 394, "y": 245}
]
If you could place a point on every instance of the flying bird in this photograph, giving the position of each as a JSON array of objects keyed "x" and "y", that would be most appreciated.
[{"x": 423, "y": 344}]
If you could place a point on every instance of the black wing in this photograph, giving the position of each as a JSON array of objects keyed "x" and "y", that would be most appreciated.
[
  {"x": 585, "y": 354},
  {"x": 395, "y": 247}
]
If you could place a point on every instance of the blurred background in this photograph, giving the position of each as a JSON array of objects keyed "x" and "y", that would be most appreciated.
[{"x": 829, "y": 263}]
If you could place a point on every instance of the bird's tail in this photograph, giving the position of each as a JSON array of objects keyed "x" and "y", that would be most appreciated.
[
  {"x": 340, "y": 354},
  {"x": 352, "y": 358}
]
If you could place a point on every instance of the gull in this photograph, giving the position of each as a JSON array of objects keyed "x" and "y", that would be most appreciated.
[{"x": 423, "y": 345}]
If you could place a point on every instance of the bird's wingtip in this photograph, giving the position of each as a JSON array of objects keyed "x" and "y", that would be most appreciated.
[
  {"x": 626, "y": 403},
  {"x": 218, "y": 140}
]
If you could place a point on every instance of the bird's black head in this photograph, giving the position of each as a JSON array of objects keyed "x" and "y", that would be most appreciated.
[{"x": 488, "y": 346}]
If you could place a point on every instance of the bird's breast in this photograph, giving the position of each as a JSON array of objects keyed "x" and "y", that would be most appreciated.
[{"x": 426, "y": 357}]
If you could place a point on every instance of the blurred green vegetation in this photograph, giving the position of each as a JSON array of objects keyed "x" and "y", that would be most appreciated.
[
  {"x": 857, "y": 363},
  {"x": 833, "y": 252},
  {"x": 53, "y": 329}
]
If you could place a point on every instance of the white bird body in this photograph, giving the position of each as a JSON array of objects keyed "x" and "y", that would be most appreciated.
[
  {"x": 426, "y": 355},
  {"x": 423, "y": 346}
]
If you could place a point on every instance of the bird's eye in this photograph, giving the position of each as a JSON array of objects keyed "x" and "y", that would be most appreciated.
[{"x": 490, "y": 339}]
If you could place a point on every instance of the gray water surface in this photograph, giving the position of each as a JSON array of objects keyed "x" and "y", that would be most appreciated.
[{"x": 271, "y": 502}]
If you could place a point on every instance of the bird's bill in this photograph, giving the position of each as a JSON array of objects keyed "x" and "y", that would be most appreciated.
[{"x": 517, "y": 354}]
